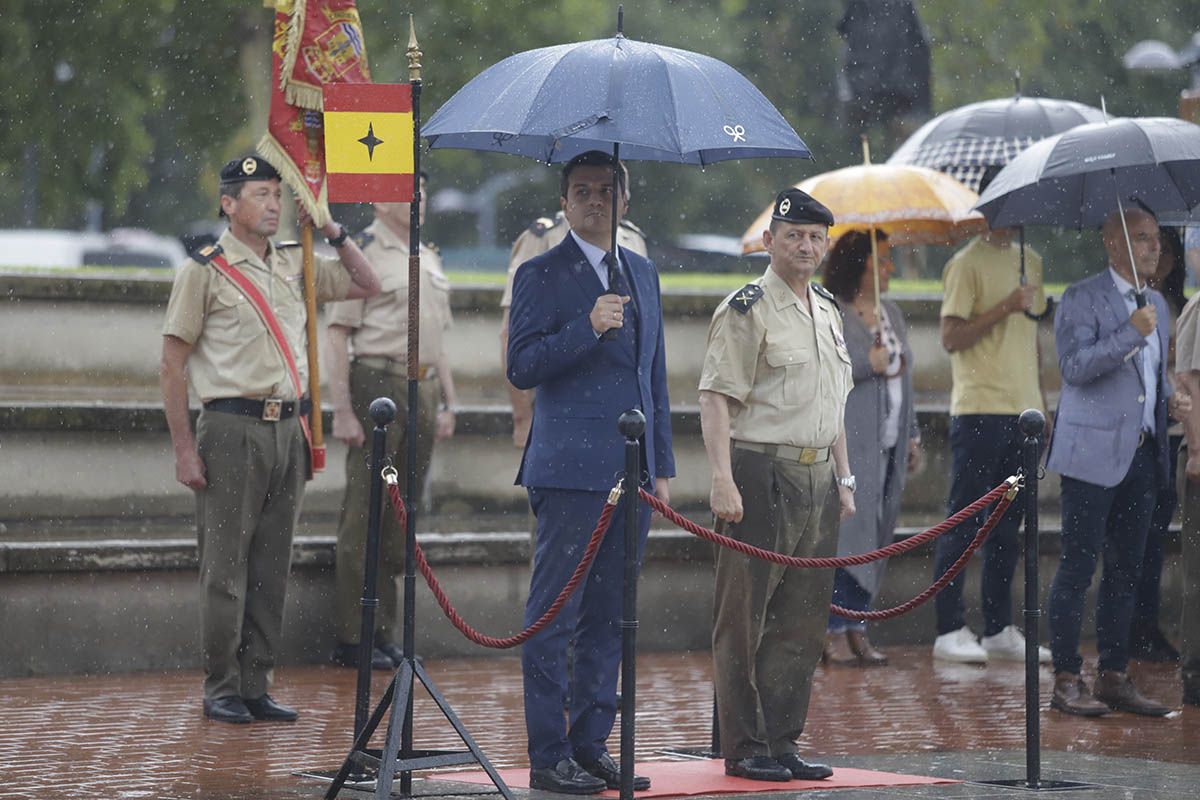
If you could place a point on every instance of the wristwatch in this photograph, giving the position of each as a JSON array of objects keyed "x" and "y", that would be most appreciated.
[
  {"x": 340, "y": 239},
  {"x": 849, "y": 482}
]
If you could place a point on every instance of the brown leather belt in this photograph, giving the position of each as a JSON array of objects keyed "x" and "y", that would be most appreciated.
[
  {"x": 393, "y": 367},
  {"x": 271, "y": 409},
  {"x": 786, "y": 452}
]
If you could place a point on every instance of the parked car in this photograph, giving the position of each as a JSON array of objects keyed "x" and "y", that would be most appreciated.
[{"x": 61, "y": 249}]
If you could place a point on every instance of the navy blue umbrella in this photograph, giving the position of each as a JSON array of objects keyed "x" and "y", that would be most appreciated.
[{"x": 656, "y": 103}]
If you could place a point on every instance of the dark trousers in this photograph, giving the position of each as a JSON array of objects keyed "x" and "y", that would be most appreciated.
[
  {"x": 1096, "y": 521},
  {"x": 850, "y": 594},
  {"x": 985, "y": 449},
  {"x": 591, "y": 619},
  {"x": 1148, "y": 595}
]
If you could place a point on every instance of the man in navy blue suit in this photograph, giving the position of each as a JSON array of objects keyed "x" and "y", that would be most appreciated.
[{"x": 586, "y": 332}]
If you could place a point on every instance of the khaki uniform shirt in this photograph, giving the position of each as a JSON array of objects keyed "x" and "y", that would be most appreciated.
[
  {"x": 999, "y": 373},
  {"x": 787, "y": 369},
  {"x": 234, "y": 355},
  {"x": 547, "y": 233},
  {"x": 1187, "y": 339},
  {"x": 380, "y": 324}
]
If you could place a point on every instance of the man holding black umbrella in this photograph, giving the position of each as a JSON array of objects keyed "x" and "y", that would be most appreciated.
[
  {"x": 586, "y": 331},
  {"x": 1110, "y": 447}
]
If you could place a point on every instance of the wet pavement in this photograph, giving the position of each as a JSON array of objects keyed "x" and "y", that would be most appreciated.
[{"x": 142, "y": 735}]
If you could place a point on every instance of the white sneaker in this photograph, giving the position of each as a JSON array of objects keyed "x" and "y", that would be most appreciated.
[
  {"x": 961, "y": 646},
  {"x": 1009, "y": 645}
]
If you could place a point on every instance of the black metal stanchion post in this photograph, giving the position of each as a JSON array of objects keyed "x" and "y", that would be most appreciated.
[
  {"x": 382, "y": 411},
  {"x": 631, "y": 425},
  {"x": 1032, "y": 424}
]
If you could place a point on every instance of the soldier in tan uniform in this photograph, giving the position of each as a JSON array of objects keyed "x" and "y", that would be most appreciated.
[
  {"x": 538, "y": 238},
  {"x": 368, "y": 358},
  {"x": 248, "y": 459},
  {"x": 772, "y": 398}
]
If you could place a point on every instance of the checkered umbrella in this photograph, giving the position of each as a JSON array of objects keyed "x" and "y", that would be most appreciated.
[{"x": 964, "y": 142}]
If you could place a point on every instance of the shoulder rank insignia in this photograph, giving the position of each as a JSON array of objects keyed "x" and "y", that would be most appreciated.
[
  {"x": 363, "y": 238},
  {"x": 207, "y": 253},
  {"x": 286, "y": 245},
  {"x": 828, "y": 295},
  {"x": 541, "y": 225},
  {"x": 745, "y": 297},
  {"x": 629, "y": 226}
]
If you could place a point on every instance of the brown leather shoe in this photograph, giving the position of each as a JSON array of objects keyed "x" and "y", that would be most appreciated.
[
  {"x": 861, "y": 646},
  {"x": 1071, "y": 696},
  {"x": 1115, "y": 689},
  {"x": 837, "y": 650}
]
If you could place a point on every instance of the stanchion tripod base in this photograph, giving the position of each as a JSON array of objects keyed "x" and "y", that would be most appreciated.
[
  {"x": 1043, "y": 786},
  {"x": 420, "y": 787}
]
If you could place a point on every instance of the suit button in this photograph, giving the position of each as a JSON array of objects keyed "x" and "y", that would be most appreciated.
[{"x": 1141, "y": 398}]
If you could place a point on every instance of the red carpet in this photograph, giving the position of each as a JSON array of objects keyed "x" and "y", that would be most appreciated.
[{"x": 695, "y": 777}]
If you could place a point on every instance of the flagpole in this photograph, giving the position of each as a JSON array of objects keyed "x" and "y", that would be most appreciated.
[{"x": 316, "y": 423}]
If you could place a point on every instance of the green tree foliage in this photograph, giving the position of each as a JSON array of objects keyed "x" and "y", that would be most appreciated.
[{"x": 133, "y": 104}]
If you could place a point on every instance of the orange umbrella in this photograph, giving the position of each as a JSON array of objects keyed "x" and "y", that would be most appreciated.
[{"x": 912, "y": 205}]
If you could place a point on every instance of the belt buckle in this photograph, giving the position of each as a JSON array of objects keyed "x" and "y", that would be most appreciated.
[
  {"x": 272, "y": 409},
  {"x": 808, "y": 455}
]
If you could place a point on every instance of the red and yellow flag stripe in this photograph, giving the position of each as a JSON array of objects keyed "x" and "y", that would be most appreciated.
[{"x": 369, "y": 142}]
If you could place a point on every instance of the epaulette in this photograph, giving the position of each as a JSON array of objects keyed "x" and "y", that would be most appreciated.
[
  {"x": 627, "y": 225},
  {"x": 363, "y": 238},
  {"x": 290, "y": 243},
  {"x": 541, "y": 225},
  {"x": 745, "y": 297},
  {"x": 828, "y": 295},
  {"x": 207, "y": 253}
]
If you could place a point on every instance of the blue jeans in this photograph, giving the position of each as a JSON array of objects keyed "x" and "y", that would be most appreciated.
[
  {"x": 985, "y": 449},
  {"x": 848, "y": 593},
  {"x": 1113, "y": 522}
]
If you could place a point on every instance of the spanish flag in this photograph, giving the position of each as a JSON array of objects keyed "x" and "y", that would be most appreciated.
[{"x": 369, "y": 142}]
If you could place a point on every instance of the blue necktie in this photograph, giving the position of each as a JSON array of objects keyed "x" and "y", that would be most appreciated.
[{"x": 618, "y": 284}]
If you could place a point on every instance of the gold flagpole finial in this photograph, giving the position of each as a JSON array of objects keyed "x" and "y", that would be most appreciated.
[{"x": 414, "y": 51}]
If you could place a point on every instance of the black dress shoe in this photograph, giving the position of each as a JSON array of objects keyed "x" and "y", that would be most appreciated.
[
  {"x": 565, "y": 777},
  {"x": 227, "y": 709},
  {"x": 757, "y": 768},
  {"x": 607, "y": 770},
  {"x": 346, "y": 655},
  {"x": 265, "y": 708},
  {"x": 802, "y": 770}
]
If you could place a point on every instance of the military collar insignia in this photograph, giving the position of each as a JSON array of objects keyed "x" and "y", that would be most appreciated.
[
  {"x": 745, "y": 297},
  {"x": 828, "y": 295}
]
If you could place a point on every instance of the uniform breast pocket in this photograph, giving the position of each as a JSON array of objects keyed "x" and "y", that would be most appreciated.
[
  {"x": 233, "y": 315},
  {"x": 790, "y": 363}
]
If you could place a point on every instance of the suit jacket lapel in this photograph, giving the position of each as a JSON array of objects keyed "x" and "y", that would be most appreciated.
[
  {"x": 1117, "y": 304},
  {"x": 581, "y": 270}
]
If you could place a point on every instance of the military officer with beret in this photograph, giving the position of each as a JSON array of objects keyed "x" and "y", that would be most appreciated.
[
  {"x": 772, "y": 399},
  {"x": 248, "y": 459},
  {"x": 544, "y": 234},
  {"x": 368, "y": 358}
]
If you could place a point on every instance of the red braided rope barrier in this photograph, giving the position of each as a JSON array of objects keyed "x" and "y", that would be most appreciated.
[
  {"x": 947, "y": 576},
  {"x": 589, "y": 555},
  {"x": 830, "y": 562}
]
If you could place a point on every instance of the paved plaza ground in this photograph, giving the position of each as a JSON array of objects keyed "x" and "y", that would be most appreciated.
[{"x": 142, "y": 735}]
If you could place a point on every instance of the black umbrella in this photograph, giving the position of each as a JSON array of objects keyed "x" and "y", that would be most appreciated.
[
  {"x": 964, "y": 142},
  {"x": 1078, "y": 178}
]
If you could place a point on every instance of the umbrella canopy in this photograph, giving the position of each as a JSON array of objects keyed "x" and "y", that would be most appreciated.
[
  {"x": 913, "y": 205},
  {"x": 964, "y": 142},
  {"x": 658, "y": 103},
  {"x": 1078, "y": 178}
]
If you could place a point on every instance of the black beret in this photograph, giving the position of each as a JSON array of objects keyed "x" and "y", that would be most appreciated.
[
  {"x": 793, "y": 205},
  {"x": 250, "y": 168}
]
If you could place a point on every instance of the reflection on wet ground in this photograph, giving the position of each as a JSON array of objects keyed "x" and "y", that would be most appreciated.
[{"x": 142, "y": 735}]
